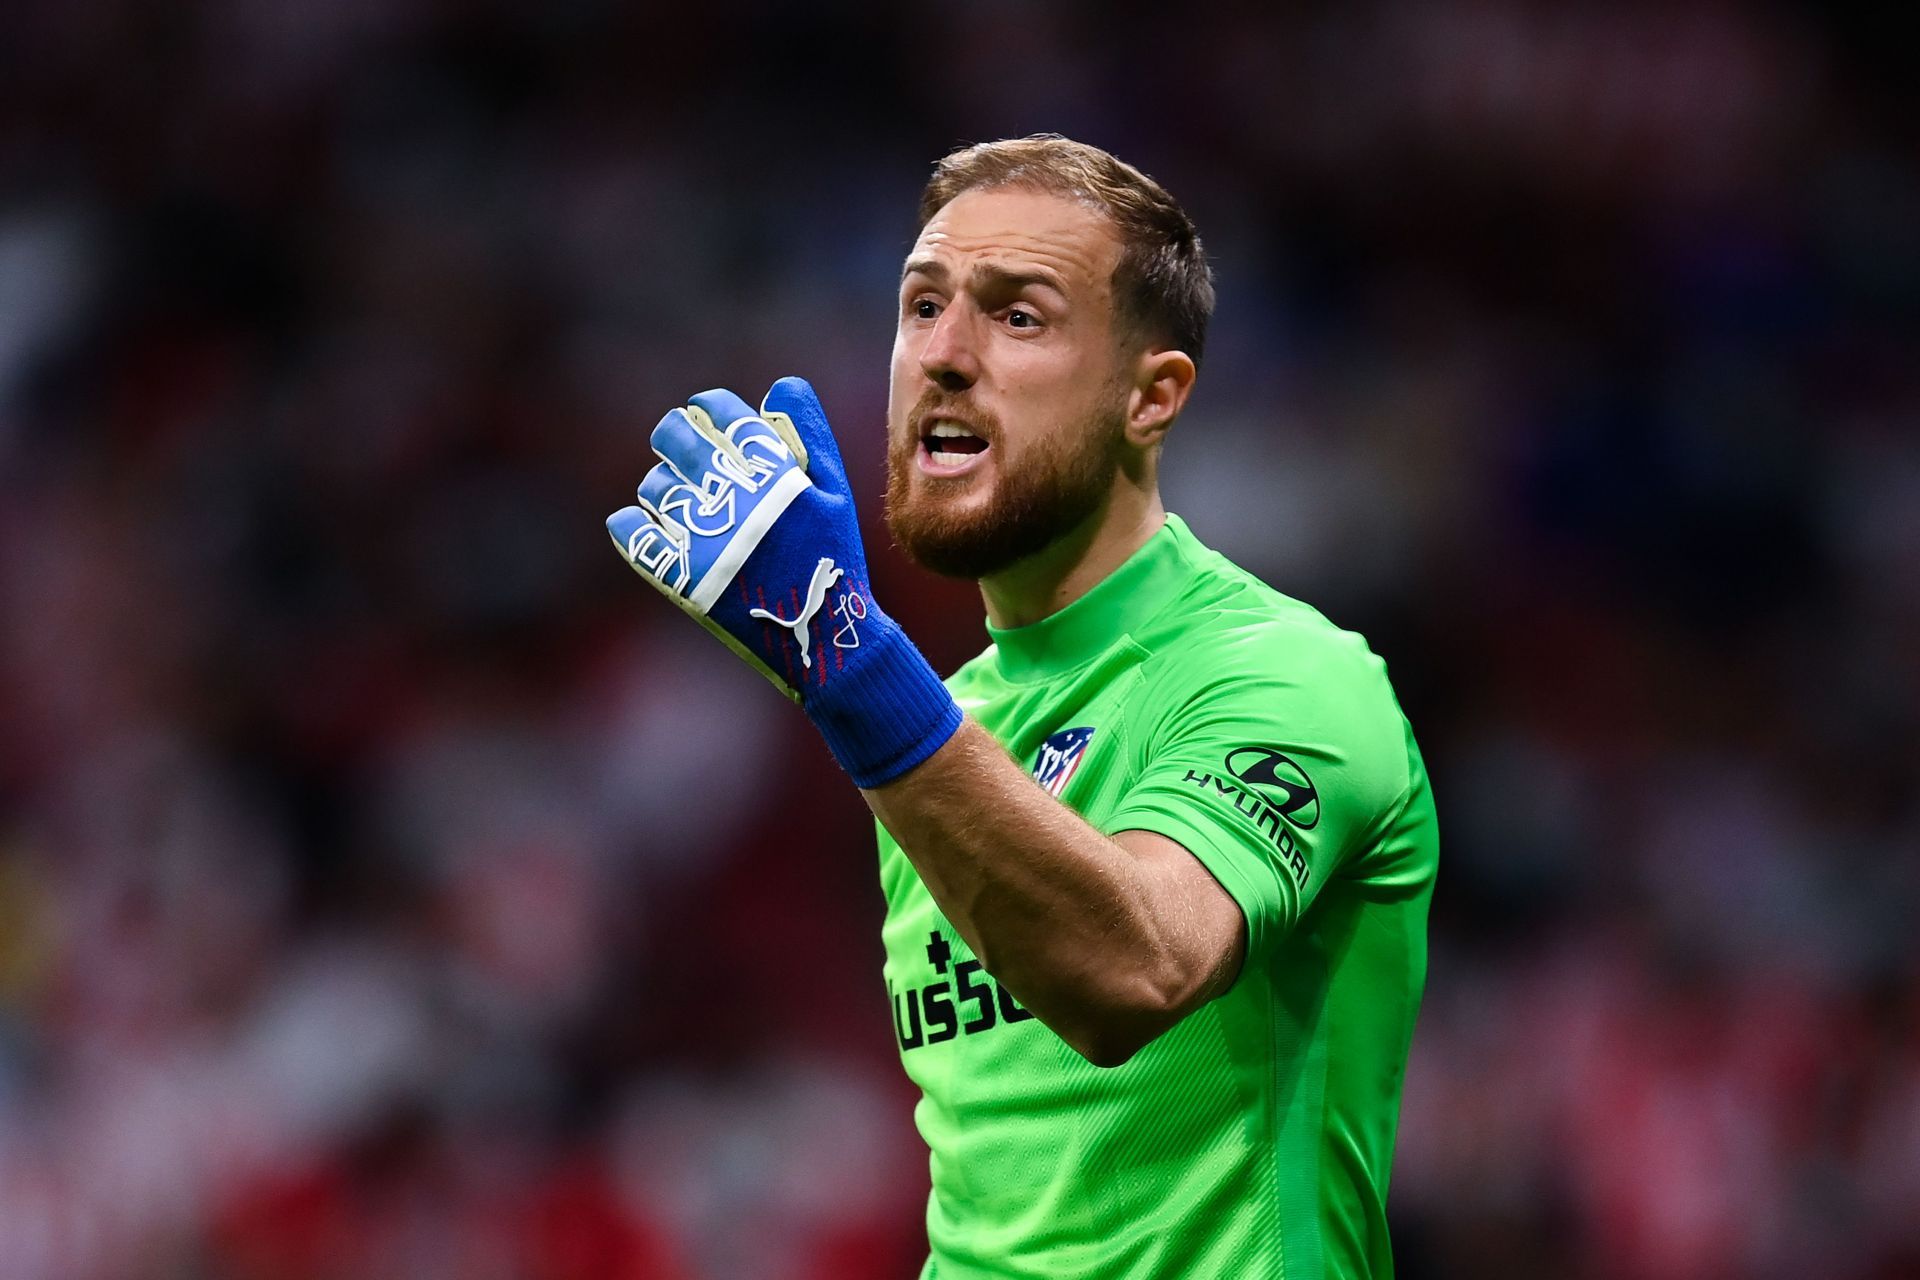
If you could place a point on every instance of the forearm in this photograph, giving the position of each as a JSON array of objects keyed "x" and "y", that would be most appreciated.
[{"x": 1105, "y": 946}]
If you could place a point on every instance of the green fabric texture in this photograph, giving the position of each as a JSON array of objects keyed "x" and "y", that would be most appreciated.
[{"x": 1254, "y": 1139}]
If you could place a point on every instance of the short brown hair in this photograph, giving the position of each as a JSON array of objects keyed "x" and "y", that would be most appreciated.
[{"x": 1162, "y": 286}]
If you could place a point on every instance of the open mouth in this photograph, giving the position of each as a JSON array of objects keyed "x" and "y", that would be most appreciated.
[{"x": 947, "y": 448}]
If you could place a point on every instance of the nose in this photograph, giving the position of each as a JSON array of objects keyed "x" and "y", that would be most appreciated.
[{"x": 949, "y": 357}]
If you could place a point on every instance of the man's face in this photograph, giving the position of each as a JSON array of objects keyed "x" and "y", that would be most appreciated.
[{"x": 1008, "y": 396}]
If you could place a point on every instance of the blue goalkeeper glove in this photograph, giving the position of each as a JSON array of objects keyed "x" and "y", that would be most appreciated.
[{"x": 748, "y": 525}]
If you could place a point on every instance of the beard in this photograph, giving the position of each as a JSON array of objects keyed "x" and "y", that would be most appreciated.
[{"x": 1039, "y": 496}]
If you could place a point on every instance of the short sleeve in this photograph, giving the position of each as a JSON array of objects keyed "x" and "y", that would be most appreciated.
[{"x": 1274, "y": 765}]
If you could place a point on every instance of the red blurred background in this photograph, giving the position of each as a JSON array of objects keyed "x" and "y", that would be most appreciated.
[{"x": 390, "y": 887}]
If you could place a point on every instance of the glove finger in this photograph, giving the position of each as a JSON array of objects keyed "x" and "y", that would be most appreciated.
[
  {"x": 723, "y": 407},
  {"x": 795, "y": 398},
  {"x": 765, "y": 450},
  {"x": 681, "y": 506},
  {"x": 690, "y": 442},
  {"x": 624, "y": 525},
  {"x": 654, "y": 554},
  {"x": 744, "y": 426}
]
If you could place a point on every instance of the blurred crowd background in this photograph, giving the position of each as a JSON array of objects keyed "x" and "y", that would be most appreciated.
[{"x": 390, "y": 886}]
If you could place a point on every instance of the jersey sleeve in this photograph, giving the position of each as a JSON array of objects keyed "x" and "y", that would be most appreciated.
[{"x": 1274, "y": 765}]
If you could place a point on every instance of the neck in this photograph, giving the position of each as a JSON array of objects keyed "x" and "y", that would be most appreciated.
[{"x": 1050, "y": 580}]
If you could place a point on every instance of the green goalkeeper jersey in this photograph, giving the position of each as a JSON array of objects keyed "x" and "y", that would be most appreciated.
[{"x": 1253, "y": 1140}]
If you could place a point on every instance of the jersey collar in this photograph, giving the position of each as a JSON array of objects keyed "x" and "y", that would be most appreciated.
[{"x": 1116, "y": 606}]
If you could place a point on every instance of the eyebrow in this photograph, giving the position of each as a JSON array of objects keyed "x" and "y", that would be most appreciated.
[{"x": 984, "y": 275}]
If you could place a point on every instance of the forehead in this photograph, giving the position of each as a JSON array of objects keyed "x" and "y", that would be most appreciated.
[{"x": 1023, "y": 229}]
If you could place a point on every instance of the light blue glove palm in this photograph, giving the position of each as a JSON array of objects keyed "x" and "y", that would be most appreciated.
[{"x": 748, "y": 524}]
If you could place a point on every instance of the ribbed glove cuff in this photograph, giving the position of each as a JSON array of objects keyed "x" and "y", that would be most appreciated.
[{"x": 884, "y": 714}]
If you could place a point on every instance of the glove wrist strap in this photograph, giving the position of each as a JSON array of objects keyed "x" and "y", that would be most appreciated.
[{"x": 885, "y": 714}]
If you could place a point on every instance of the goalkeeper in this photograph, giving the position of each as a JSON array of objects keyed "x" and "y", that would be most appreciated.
[{"x": 1157, "y": 862}]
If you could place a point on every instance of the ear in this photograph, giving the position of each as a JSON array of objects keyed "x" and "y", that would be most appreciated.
[{"x": 1162, "y": 381}]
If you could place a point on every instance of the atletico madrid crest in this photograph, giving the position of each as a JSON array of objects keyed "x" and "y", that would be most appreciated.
[{"x": 1059, "y": 756}]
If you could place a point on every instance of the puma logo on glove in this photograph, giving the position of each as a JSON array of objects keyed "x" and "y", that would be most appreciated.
[{"x": 824, "y": 576}]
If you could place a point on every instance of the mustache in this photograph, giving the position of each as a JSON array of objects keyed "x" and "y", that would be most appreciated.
[{"x": 937, "y": 404}]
